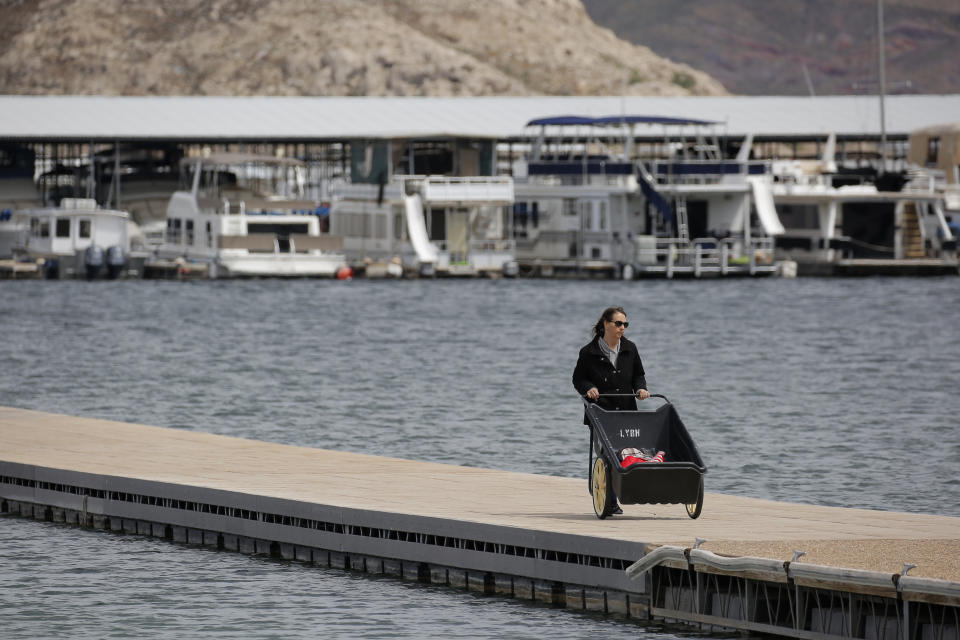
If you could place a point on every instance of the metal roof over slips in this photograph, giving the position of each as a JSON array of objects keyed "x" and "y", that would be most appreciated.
[{"x": 330, "y": 119}]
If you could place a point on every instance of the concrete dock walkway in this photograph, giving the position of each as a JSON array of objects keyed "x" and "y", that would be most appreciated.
[{"x": 841, "y": 537}]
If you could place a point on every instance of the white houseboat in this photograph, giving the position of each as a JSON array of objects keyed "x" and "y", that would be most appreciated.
[
  {"x": 245, "y": 215},
  {"x": 593, "y": 196},
  {"x": 424, "y": 206},
  {"x": 840, "y": 222},
  {"x": 442, "y": 225},
  {"x": 76, "y": 239}
]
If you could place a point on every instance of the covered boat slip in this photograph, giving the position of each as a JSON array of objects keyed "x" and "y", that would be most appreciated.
[{"x": 501, "y": 532}]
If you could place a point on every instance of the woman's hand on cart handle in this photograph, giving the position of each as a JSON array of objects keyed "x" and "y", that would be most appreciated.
[
  {"x": 643, "y": 394},
  {"x": 593, "y": 393}
]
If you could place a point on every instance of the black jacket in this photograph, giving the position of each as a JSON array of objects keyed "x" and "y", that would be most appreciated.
[{"x": 595, "y": 370}]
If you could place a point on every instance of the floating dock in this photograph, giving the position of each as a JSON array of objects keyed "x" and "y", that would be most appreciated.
[
  {"x": 13, "y": 270},
  {"x": 860, "y": 267},
  {"x": 495, "y": 532}
]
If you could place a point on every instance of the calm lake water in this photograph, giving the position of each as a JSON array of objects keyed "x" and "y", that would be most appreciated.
[{"x": 827, "y": 391}]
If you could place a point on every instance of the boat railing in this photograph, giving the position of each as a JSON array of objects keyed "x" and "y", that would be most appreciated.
[
  {"x": 616, "y": 180},
  {"x": 579, "y": 170},
  {"x": 475, "y": 246},
  {"x": 498, "y": 245},
  {"x": 434, "y": 189},
  {"x": 921, "y": 181},
  {"x": 267, "y": 207},
  {"x": 951, "y": 197},
  {"x": 798, "y": 178},
  {"x": 234, "y": 208},
  {"x": 367, "y": 191},
  {"x": 718, "y": 254},
  {"x": 463, "y": 189},
  {"x": 704, "y": 171}
]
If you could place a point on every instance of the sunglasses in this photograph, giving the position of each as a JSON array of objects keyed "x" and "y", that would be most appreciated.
[{"x": 621, "y": 323}]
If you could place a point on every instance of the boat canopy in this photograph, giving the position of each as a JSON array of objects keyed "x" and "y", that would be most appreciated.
[{"x": 615, "y": 120}]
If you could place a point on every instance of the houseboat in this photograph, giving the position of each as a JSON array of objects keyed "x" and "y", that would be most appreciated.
[
  {"x": 245, "y": 215},
  {"x": 426, "y": 208},
  {"x": 433, "y": 225},
  {"x": 594, "y": 195},
  {"x": 867, "y": 223}
]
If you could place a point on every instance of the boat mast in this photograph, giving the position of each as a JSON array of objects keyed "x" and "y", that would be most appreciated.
[{"x": 883, "y": 87}]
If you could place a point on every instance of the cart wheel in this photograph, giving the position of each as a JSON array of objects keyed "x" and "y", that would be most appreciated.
[
  {"x": 693, "y": 510},
  {"x": 602, "y": 489}
]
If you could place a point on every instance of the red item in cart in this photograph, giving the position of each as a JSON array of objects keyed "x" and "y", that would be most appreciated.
[{"x": 631, "y": 456}]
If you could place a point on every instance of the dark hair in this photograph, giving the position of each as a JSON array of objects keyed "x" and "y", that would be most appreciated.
[{"x": 606, "y": 316}]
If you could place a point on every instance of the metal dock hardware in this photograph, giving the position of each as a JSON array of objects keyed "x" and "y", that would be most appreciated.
[{"x": 795, "y": 599}]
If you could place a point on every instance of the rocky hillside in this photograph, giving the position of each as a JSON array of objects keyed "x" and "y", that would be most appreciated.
[
  {"x": 789, "y": 48},
  {"x": 326, "y": 48}
]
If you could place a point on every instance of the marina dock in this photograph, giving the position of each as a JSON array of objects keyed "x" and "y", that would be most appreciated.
[
  {"x": 12, "y": 270},
  {"x": 495, "y": 532}
]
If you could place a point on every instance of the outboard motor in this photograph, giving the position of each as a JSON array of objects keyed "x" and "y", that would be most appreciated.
[
  {"x": 93, "y": 261},
  {"x": 51, "y": 269},
  {"x": 115, "y": 261}
]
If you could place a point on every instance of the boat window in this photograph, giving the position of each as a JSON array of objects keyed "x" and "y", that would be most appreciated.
[
  {"x": 398, "y": 226},
  {"x": 209, "y": 235},
  {"x": 173, "y": 230},
  {"x": 438, "y": 224},
  {"x": 63, "y": 227},
  {"x": 84, "y": 228},
  {"x": 933, "y": 150},
  {"x": 520, "y": 219},
  {"x": 358, "y": 224},
  {"x": 188, "y": 228},
  {"x": 799, "y": 216},
  {"x": 45, "y": 229},
  {"x": 569, "y": 207},
  {"x": 278, "y": 228}
]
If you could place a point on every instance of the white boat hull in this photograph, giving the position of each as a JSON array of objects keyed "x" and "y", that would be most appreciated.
[{"x": 279, "y": 265}]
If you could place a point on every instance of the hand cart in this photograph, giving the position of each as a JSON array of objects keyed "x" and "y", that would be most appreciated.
[{"x": 679, "y": 479}]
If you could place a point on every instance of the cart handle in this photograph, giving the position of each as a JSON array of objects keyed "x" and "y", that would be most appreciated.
[{"x": 626, "y": 395}]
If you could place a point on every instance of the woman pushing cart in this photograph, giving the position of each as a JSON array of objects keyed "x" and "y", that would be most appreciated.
[{"x": 642, "y": 456}]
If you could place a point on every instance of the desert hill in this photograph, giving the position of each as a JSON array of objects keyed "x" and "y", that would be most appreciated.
[
  {"x": 759, "y": 47},
  {"x": 326, "y": 48}
]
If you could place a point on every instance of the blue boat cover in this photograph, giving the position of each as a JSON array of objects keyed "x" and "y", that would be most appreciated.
[{"x": 613, "y": 120}]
